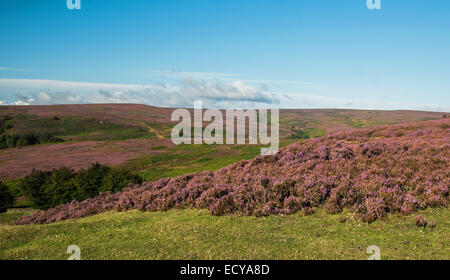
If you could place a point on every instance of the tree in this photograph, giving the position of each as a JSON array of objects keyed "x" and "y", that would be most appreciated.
[
  {"x": 47, "y": 189},
  {"x": 89, "y": 181},
  {"x": 6, "y": 198},
  {"x": 116, "y": 180},
  {"x": 33, "y": 187},
  {"x": 59, "y": 187}
]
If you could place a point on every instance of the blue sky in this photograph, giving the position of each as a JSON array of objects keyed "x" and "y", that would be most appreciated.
[{"x": 289, "y": 54}]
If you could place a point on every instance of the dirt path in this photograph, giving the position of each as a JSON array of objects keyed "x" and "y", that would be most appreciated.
[{"x": 151, "y": 129}]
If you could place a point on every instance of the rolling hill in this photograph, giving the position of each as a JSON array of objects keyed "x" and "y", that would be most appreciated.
[
  {"x": 372, "y": 172},
  {"x": 321, "y": 198},
  {"x": 138, "y": 137}
]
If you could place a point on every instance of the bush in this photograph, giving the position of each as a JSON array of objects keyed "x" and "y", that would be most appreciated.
[
  {"x": 59, "y": 187},
  {"x": 33, "y": 186},
  {"x": 14, "y": 188},
  {"x": 420, "y": 221},
  {"x": 89, "y": 181},
  {"x": 6, "y": 198},
  {"x": 47, "y": 189},
  {"x": 116, "y": 180}
]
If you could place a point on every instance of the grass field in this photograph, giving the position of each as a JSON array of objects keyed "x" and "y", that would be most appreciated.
[{"x": 194, "y": 234}]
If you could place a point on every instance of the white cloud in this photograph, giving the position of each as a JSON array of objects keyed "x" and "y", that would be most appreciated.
[
  {"x": 22, "y": 102},
  {"x": 214, "y": 94},
  {"x": 12, "y": 69},
  {"x": 59, "y": 85},
  {"x": 312, "y": 101}
]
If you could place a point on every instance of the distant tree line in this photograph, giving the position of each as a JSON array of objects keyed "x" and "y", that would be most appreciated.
[
  {"x": 47, "y": 189},
  {"x": 27, "y": 139},
  {"x": 11, "y": 140}
]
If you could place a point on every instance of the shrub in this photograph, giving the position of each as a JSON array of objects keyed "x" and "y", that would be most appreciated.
[
  {"x": 89, "y": 181},
  {"x": 116, "y": 180},
  {"x": 420, "y": 221},
  {"x": 14, "y": 188},
  {"x": 59, "y": 187},
  {"x": 431, "y": 224},
  {"x": 33, "y": 186},
  {"x": 6, "y": 198},
  {"x": 47, "y": 189}
]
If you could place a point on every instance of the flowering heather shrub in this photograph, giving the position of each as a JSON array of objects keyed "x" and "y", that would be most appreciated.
[
  {"x": 372, "y": 172},
  {"x": 420, "y": 221},
  {"x": 431, "y": 224}
]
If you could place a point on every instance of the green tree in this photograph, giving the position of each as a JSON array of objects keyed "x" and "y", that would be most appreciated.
[
  {"x": 59, "y": 187},
  {"x": 117, "y": 179},
  {"x": 47, "y": 189},
  {"x": 33, "y": 186},
  {"x": 89, "y": 181},
  {"x": 6, "y": 198}
]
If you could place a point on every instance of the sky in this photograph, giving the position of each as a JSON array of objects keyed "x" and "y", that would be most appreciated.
[{"x": 227, "y": 53}]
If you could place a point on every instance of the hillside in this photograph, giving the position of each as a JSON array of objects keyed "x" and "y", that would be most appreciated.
[
  {"x": 138, "y": 137},
  {"x": 371, "y": 172},
  {"x": 78, "y": 118}
]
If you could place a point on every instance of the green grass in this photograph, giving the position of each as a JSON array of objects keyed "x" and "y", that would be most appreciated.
[
  {"x": 314, "y": 132},
  {"x": 184, "y": 159},
  {"x": 12, "y": 215},
  {"x": 158, "y": 148},
  {"x": 194, "y": 234}
]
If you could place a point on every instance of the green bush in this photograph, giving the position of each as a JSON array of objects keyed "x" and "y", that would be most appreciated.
[
  {"x": 89, "y": 181},
  {"x": 47, "y": 189},
  {"x": 6, "y": 198},
  {"x": 116, "y": 180},
  {"x": 59, "y": 187},
  {"x": 33, "y": 186},
  {"x": 14, "y": 187}
]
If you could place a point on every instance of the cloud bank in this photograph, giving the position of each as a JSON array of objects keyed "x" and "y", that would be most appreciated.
[{"x": 213, "y": 94}]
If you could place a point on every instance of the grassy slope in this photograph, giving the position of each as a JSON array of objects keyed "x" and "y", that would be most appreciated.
[
  {"x": 184, "y": 159},
  {"x": 194, "y": 234}
]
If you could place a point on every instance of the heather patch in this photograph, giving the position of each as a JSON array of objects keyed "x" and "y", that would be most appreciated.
[
  {"x": 19, "y": 162},
  {"x": 371, "y": 172}
]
